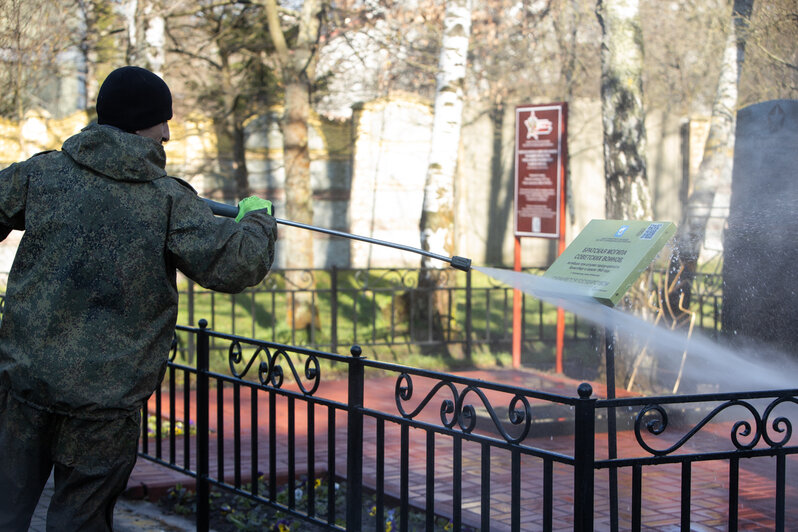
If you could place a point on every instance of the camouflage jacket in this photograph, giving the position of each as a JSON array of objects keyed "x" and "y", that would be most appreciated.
[{"x": 91, "y": 303}]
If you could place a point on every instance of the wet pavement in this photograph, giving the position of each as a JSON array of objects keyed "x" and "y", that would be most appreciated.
[{"x": 661, "y": 485}]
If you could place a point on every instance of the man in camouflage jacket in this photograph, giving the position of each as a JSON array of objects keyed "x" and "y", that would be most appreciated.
[{"x": 91, "y": 303}]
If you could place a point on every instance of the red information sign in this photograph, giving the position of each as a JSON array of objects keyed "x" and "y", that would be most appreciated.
[{"x": 540, "y": 149}]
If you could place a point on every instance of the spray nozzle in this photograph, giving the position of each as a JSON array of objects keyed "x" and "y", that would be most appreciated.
[{"x": 461, "y": 263}]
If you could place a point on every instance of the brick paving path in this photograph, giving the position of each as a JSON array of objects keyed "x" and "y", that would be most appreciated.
[{"x": 661, "y": 484}]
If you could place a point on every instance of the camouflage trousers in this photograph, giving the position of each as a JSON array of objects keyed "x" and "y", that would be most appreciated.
[{"x": 91, "y": 461}]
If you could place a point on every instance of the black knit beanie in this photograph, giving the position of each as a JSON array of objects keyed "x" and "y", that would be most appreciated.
[{"x": 132, "y": 98}]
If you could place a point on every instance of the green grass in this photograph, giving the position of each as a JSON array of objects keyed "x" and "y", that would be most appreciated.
[{"x": 373, "y": 311}]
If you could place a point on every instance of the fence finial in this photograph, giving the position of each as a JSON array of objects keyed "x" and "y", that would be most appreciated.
[{"x": 585, "y": 390}]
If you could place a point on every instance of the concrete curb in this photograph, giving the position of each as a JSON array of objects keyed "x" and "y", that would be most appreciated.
[
  {"x": 130, "y": 515},
  {"x": 143, "y": 516}
]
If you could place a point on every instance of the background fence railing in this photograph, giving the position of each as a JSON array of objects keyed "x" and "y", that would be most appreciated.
[
  {"x": 380, "y": 308},
  {"x": 474, "y": 453}
]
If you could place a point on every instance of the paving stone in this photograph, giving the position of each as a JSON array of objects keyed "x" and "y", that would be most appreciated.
[{"x": 661, "y": 484}]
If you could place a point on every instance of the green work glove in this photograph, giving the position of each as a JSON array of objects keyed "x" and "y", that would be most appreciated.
[{"x": 253, "y": 203}]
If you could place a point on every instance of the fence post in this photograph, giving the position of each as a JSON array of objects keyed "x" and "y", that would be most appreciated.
[
  {"x": 354, "y": 443},
  {"x": 469, "y": 324},
  {"x": 612, "y": 430},
  {"x": 334, "y": 308},
  {"x": 190, "y": 321},
  {"x": 584, "y": 458},
  {"x": 203, "y": 488}
]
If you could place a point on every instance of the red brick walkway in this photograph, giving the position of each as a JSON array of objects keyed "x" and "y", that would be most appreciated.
[{"x": 661, "y": 484}]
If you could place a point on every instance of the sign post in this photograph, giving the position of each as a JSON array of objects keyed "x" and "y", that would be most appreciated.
[
  {"x": 539, "y": 194},
  {"x": 602, "y": 262}
]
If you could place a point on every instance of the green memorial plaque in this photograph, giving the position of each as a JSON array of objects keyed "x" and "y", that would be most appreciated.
[{"x": 609, "y": 255}]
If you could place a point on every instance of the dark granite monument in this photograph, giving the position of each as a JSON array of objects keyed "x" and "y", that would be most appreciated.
[{"x": 760, "y": 266}]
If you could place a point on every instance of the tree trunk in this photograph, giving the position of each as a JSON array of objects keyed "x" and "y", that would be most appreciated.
[
  {"x": 146, "y": 35},
  {"x": 623, "y": 117},
  {"x": 627, "y": 191},
  {"x": 240, "y": 170},
  {"x": 130, "y": 9},
  {"x": 437, "y": 213},
  {"x": 716, "y": 165},
  {"x": 232, "y": 131},
  {"x": 154, "y": 39},
  {"x": 297, "y": 67},
  {"x": 298, "y": 197},
  {"x": 97, "y": 44},
  {"x": 438, "y": 208}
]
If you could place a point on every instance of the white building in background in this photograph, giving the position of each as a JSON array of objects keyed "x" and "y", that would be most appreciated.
[{"x": 369, "y": 155}]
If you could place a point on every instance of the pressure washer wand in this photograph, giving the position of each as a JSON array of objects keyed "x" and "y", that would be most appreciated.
[{"x": 231, "y": 211}]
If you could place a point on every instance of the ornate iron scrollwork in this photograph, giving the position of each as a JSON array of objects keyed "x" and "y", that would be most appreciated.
[
  {"x": 303, "y": 279},
  {"x": 270, "y": 371},
  {"x": 462, "y": 413},
  {"x": 655, "y": 420},
  {"x": 516, "y": 416},
  {"x": 173, "y": 348},
  {"x": 780, "y": 424},
  {"x": 394, "y": 277},
  {"x": 405, "y": 393},
  {"x": 271, "y": 282}
]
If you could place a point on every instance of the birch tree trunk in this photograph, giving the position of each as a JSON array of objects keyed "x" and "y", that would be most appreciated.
[
  {"x": 154, "y": 38},
  {"x": 146, "y": 34},
  {"x": 623, "y": 117},
  {"x": 297, "y": 66},
  {"x": 716, "y": 165},
  {"x": 437, "y": 213},
  {"x": 130, "y": 10}
]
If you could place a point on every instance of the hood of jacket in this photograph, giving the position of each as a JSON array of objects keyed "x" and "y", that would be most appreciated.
[{"x": 117, "y": 154}]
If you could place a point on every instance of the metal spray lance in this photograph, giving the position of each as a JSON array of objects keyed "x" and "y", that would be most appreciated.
[{"x": 231, "y": 211}]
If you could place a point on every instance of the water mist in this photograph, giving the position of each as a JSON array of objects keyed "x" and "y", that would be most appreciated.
[{"x": 707, "y": 361}]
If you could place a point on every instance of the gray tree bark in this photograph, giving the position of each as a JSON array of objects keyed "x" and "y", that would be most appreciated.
[
  {"x": 623, "y": 117},
  {"x": 437, "y": 213},
  {"x": 716, "y": 165},
  {"x": 627, "y": 191},
  {"x": 297, "y": 66}
]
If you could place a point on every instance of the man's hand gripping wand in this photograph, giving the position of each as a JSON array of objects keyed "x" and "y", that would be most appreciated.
[{"x": 231, "y": 211}]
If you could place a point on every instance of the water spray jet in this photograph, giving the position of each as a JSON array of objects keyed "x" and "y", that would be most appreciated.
[{"x": 734, "y": 370}]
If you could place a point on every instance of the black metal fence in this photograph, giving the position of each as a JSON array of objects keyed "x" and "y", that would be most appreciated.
[
  {"x": 480, "y": 455},
  {"x": 379, "y": 308}
]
